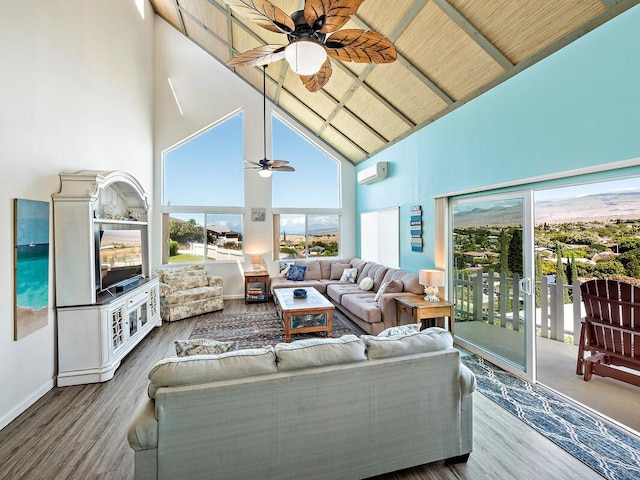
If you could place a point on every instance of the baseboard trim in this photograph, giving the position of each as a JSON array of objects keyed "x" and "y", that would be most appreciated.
[{"x": 30, "y": 400}]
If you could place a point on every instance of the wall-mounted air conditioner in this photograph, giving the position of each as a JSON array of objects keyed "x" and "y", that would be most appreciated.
[{"x": 373, "y": 173}]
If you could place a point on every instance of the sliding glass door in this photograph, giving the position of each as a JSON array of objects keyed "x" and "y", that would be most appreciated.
[{"x": 491, "y": 272}]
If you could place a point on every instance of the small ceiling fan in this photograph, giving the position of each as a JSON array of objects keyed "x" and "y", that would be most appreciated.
[
  {"x": 266, "y": 167},
  {"x": 309, "y": 44}
]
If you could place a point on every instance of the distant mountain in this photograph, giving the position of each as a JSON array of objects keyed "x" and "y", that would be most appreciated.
[
  {"x": 488, "y": 215},
  {"x": 599, "y": 207}
]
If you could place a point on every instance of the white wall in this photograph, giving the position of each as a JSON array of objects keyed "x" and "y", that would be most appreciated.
[
  {"x": 208, "y": 91},
  {"x": 76, "y": 82}
]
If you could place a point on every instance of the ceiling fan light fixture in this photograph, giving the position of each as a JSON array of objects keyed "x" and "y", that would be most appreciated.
[
  {"x": 305, "y": 57},
  {"x": 265, "y": 172}
]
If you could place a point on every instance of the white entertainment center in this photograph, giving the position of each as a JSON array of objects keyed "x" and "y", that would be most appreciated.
[{"x": 106, "y": 301}]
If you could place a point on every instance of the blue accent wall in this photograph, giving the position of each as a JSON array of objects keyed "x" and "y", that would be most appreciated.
[{"x": 578, "y": 108}]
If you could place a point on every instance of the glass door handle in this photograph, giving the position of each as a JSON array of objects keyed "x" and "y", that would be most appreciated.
[{"x": 525, "y": 285}]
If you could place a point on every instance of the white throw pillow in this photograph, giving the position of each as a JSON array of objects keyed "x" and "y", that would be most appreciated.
[
  {"x": 380, "y": 291},
  {"x": 366, "y": 284},
  {"x": 409, "y": 329},
  {"x": 349, "y": 275}
]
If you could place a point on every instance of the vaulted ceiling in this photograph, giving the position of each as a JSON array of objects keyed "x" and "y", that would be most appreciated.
[{"x": 448, "y": 52}]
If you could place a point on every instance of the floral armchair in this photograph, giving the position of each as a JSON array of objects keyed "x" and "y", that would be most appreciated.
[{"x": 188, "y": 291}]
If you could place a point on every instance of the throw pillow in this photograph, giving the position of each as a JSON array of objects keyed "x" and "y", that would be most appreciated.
[
  {"x": 296, "y": 273},
  {"x": 337, "y": 269},
  {"x": 409, "y": 329},
  {"x": 430, "y": 340},
  {"x": 203, "y": 346},
  {"x": 380, "y": 291},
  {"x": 284, "y": 269},
  {"x": 175, "y": 372},
  {"x": 318, "y": 352},
  {"x": 394, "y": 286},
  {"x": 366, "y": 284},
  {"x": 349, "y": 275}
]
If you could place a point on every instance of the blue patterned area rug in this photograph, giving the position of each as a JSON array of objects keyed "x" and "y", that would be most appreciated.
[{"x": 610, "y": 451}]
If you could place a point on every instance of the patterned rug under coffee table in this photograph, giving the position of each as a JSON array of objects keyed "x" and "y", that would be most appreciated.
[
  {"x": 612, "y": 452},
  {"x": 253, "y": 330}
]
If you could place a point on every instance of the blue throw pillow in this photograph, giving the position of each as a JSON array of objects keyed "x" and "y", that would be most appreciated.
[{"x": 296, "y": 272}]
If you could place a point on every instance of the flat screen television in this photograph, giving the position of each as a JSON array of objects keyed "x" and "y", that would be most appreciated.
[{"x": 120, "y": 256}]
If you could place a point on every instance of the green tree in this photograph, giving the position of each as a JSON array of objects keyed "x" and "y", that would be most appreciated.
[
  {"x": 503, "y": 241},
  {"x": 538, "y": 275},
  {"x": 609, "y": 267},
  {"x": 561, "y": 272},
  {"x": 185, "y": 232},
  {"x": 514, "y": 255}
]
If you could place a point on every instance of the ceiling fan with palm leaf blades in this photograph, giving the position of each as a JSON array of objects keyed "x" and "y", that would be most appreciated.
[
  {"x": 310, "y": 46},
  {"x": 266, "y": 167}
]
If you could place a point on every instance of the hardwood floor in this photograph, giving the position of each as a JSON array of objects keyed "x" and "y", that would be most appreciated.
[{"x": 79, "y": 432}]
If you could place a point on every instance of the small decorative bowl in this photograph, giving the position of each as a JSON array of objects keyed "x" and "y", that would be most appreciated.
[{"x": 299, "y": 293}]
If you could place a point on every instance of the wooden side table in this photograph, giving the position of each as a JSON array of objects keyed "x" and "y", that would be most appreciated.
[
  {"x": 420, "y": 309},
  {"x": 256, "y": 286}
]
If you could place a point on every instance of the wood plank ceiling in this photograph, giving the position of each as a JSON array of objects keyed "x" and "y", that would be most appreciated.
[{"x": 449, "y": 52}]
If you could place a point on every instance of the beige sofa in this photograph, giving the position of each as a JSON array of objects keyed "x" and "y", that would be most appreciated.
[
  {"x": 344, "y": 408},
  {"x": 358, "y": 305},
  {"x": 188, "y": 291}
]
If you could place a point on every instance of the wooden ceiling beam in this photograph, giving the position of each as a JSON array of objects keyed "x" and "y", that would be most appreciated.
[
  {"x": 475, "y": 34},
  {"x": 401, "y": 27}
]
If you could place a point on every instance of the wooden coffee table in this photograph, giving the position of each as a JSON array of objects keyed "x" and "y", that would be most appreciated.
[{"x": 302, "y": 315}]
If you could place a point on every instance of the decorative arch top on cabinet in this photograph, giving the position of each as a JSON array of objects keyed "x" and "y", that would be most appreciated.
[{"x": 113, "y": 195}]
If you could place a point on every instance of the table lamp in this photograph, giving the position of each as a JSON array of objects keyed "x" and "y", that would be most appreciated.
[
  {"x": 431, "y": 279},
  {"x": 256, "y": 262}
]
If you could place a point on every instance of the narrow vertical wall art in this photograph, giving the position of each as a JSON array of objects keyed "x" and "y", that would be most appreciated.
[
  {"x": 416, "y": 228},
  {"x": 31, "y": 266}
]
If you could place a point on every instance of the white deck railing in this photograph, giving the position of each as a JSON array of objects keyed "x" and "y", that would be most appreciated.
[{"x": 501, "y": 303}]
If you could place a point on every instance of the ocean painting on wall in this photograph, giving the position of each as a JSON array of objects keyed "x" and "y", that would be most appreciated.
[{"x": 31, "y": 237}]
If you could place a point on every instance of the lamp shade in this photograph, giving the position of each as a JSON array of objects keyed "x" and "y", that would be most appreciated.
[
  {"x": 264, "y": 172},
  {"x": 431, "y": 278},
  {"x": 305, "y": 57}
]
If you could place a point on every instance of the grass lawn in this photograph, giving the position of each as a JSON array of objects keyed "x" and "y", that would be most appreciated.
[{"x": 185, "y": 258}]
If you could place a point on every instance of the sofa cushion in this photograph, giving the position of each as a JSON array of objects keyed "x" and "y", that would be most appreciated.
[
  {"x": 318, "y": 352},
  {"x": 335, "y": 291},
  {"x": 186, "y": 280},
  {"x": 337, "y": 269},
  {"x": 190, "y": 295},
  {"x": 429, "y": 340},
  {"x": 296, "y": 273},
  {"x": 363, "y": 306},
  {"x": 277, "y": 283},
  {"x": 313, "y": 269},
  {"x": 349, "y": 275},
  {"x": 174, "y": 371},
  {"x": 203, "y": 346},
  {"x": 325, "y": 267}
]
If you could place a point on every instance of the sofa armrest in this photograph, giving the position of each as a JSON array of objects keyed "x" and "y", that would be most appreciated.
[
  {"x": 387, "y": 305},
  {"x": 165, "y": 289},
  {"x": 143, "y": 431},
  {"x": 214, "y": 281},
  {"x": 467, "y": 381}
]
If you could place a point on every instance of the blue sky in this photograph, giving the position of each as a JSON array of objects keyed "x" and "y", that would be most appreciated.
[
  {"x": 216, "y": 155},
  {"x": 612, "y": 186}
]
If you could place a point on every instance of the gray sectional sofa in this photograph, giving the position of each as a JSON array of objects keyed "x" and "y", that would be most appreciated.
[
  {"x": 358, "y": 305},
  {"x": 325, "y": 408}
]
